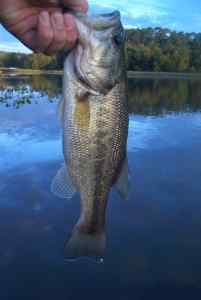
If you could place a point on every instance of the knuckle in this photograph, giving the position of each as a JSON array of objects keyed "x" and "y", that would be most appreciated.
[
  {"x": 47, "y": 35},
  {"x": 59, "y": 37},
  {"x": 72, "y": 38}
]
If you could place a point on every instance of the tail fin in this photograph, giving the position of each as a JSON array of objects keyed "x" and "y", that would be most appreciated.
[{"x": 85, "y": 245}]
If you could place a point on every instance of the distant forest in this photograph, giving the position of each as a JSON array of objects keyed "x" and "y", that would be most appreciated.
[{"x": 149, "y": 49}]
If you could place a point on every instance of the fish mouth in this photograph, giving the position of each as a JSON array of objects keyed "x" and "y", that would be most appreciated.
[
  {"x": 90, "y": 86},
  {"x": 82, "y": 77},
  {"x": 78, "y": 71},
  {"x": 107, "y": 17},
  {"x": 101, "y": 21},
  {"x": 105, "y": 25}
]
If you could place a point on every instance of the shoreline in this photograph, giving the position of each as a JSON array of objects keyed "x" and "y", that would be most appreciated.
[
  {"x": 131, "y": 74},
  {"x": 16, "y": 72},
  {"x": 162, "y": 75}
]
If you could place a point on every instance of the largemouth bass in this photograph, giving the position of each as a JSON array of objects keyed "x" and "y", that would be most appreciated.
[{"x": 94, "y": 116}]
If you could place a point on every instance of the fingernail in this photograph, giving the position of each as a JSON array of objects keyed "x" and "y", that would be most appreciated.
[
  {"x": 58, "y": 20},
  {"x": 44, "y": 17}
]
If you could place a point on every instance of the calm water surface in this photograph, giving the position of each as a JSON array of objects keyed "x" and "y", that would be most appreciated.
[{"x": 154, "y": 238}]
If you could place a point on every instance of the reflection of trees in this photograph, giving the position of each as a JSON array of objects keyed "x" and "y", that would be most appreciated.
[
  {"x": 14, "y": 82},
  {"x": 50, "y": 84},
  {"x": 147, "y": 96},
  {"x": 17, "y": 91},
  {"x": 195, "y": 94}
]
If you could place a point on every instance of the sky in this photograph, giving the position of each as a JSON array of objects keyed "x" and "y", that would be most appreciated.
[{"x": 179, "y": 15}]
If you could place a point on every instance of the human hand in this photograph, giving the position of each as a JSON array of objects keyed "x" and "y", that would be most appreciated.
[{"x": 41, "y": 25}]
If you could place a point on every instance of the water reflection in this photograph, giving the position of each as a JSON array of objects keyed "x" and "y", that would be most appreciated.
[
  {"x": 18, "y": 91},
  {"x": 146, "y": 96},
  {"x": 162, "y": 132},
  {"x": 159, "y": 97},
  {"x": 50, "y": 84},
  {"x": 153, "y": 238}
]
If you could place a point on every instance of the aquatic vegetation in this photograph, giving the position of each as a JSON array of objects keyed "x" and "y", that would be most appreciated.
[{"x": 22, "y": 95}]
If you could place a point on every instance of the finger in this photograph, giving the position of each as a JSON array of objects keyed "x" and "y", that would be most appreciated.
[
  {"x": 24, "y": 25},
  {"x": 71, "y": 31},
  {"x": 59, "y": 34},
  {"x": 45, "y": 32},
  {"x": 77, "y": 5},
  {"x": 65, "y": 34},
  {"x": 29, "y": 39}
]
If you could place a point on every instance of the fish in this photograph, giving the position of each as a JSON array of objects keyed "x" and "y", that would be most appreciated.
[{"x": 94, "y": 121}]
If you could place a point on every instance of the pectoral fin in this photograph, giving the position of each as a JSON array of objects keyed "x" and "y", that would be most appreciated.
[
  {"x": 122, "y": 184},
  {"x": 62, "y": 185}
]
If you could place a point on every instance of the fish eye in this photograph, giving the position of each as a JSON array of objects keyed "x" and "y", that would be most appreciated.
[{"x": 119, "y": 38}]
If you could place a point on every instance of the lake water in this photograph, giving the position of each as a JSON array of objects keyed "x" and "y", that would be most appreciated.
[{"x": 153, "y": 238}]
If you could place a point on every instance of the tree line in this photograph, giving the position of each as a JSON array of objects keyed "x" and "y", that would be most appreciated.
[
  {"x": 35, "y": 61},
  {"x": 148, "y": 49},
  {"x": 162, "y": 50}
]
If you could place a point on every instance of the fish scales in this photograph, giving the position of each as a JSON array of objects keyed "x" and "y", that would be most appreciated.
[{"x": 95, "y": 127}]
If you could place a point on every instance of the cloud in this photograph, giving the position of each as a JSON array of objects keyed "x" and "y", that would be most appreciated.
[
  {"x": 145, "y": 13},
  {"x": 142, "y": 13},
  {"x": 132, "y": 9}
]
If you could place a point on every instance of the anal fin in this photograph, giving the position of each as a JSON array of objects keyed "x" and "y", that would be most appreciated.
[{"x": 62, "y": 185}]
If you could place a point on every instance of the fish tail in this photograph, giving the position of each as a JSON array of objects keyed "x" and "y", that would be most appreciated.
[{"x": 81, "y": 244}]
